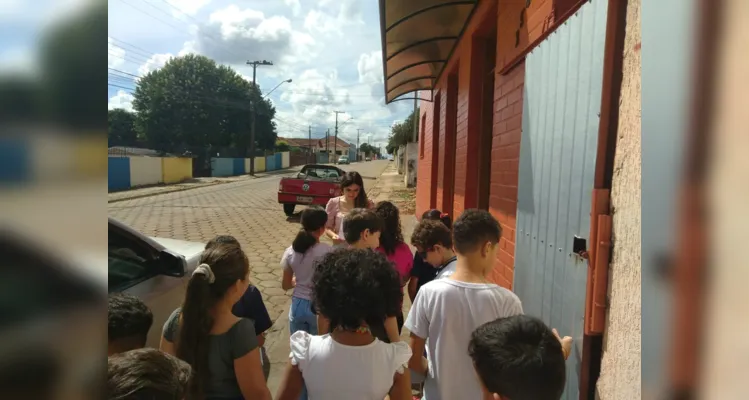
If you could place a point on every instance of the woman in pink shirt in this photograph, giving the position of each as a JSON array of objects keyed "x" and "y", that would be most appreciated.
[
  {"x": 353, "y": 196},
  {"x": 394, "y": 247}
]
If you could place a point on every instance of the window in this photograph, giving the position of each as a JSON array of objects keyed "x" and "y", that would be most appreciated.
[
  {"x": 319, "y": 172},
  {"x": 129, "y": 262}
]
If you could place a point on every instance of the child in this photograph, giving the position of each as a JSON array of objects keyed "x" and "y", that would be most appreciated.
[
  {"x": 519, "y": 358},
  {"x": 129, "y": 321},
  {"x": 422, "y": 272},
  {"x": 147, "y": 374},
  {"x": 353, "y": 289},
  {"x": 447, "y": 311},
  {"x": 298, "y": 261},
  {"x": 393, "y": 246},
  {"x": 434, "y": 243},
  {"x": 250, "y": 306},
  {"x": 221, "y": 348},
  {"x": 362, "y": 229}
]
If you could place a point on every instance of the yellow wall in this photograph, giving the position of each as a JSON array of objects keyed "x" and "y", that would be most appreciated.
[
  {"x": 259, "y": 164},
  {"x": 90, "y": 157},
  {"x": 176, "y": 169}
]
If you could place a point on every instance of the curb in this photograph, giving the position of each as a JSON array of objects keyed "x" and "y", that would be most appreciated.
[{"x": 182, "y": 189}]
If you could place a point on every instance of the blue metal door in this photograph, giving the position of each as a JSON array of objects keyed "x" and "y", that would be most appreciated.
[{"x": 561, "y": 105}]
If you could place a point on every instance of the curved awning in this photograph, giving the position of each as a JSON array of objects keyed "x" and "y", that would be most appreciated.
[{"x": 418, "y": 37}]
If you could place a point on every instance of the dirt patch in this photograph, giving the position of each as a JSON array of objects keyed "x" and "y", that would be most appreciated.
[{"x": 404, "y": 199}]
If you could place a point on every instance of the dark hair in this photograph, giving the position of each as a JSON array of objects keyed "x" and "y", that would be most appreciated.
[
  {"x": 356, "y": 286},
  {"x": 357, "y": 221},
  {"x": 128, "y": 319},
  {"x": 313, "y": 219},
  {"x": 353, "y": 178},
  {"x": 392, "y": 234},
  {"x": 429, "y": 233},
  {"x": 147, "y": 374},
  {"x": 228, "y": 264},
  {"x": 222, "y": 239},
  {"x": 474, "y": 228},
  {"x": 519, "y": 358},
  {"x": 437, "y": 215}
]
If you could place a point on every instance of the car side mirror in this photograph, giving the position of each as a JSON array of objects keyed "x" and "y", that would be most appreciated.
[{"x": 171, "y": 264}]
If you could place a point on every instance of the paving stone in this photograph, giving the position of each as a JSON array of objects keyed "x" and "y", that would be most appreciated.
[
  {"x": 267, "y": 277},
  {"x": 274, "y": 291}
]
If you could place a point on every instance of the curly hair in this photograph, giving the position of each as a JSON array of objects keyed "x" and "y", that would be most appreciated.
[
  {"x": 353, "y": 287},
  {"x": 391, "y": 235},
  {"x": 429, "y": 233}
]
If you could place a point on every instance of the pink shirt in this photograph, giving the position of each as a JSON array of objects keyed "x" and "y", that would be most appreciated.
[
  {"x": 402, "y": 258},
  {"x": 336, "y": 216}
]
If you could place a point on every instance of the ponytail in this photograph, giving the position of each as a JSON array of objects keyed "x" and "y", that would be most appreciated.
[
  {"x": 438, "y": 215},
  {"x": 303, "y": 241},
  {"x": 313, "y": 220},
  {"x": 195, "y": 327}
]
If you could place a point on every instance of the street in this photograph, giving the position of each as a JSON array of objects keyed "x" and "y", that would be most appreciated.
[{"x": 246, "y": 209}]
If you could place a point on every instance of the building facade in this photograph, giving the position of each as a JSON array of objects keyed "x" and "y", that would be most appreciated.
[{"x": 520, "y": 105}]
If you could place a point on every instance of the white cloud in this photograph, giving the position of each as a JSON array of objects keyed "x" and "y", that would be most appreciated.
[
  {"x": 189, "y": 7},
  {"x": 155, "y": 62},
  {"x": 115, "y": 56},
  {"x": 295, "y": 7},
  {"x": 122, "y": 99},
  {"x": 320, "y": 22},
  {"x": 370, "y": 67}
]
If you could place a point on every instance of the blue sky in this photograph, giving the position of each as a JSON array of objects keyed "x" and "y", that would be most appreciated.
[{"x": 330, "y": 49}]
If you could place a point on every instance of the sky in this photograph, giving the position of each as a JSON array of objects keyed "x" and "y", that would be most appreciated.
[{"x": 330, "y": 49}]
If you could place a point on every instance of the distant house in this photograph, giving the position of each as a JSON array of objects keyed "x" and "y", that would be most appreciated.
[
  {"x": 124, "y": 151},
  {"x": 339, "y": 146}
]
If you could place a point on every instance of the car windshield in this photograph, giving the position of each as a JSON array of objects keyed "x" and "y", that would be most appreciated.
[{"x": 320, "y": 172}]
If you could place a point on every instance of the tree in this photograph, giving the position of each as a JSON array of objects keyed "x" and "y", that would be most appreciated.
[
  {"x": 193, "y": 102},
  {"x": 368, "y": 149},
  {"x": 282, "y": 145},
  {"x": 121, "y": 128},
  {"x": 402, "y": 132}
]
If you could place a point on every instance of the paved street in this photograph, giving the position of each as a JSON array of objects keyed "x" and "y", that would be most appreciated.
[{"x": 247, "y": 210}]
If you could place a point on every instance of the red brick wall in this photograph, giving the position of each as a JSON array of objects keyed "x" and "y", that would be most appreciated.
[{"x": 424, "y": 172}]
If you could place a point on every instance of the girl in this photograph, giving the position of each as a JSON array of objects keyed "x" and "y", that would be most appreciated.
[
  {"x": 422, "y": 272},
  {"x": 394, "y": 248},
  {"x": 353, "y": 196},
  {"x": 352, "y": 289},
  {"x": 298, "y": 263},
  {"x": 221, "y": 348}
]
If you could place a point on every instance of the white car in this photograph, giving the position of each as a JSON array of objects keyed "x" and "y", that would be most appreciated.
[{"x": 156, "y": 270}]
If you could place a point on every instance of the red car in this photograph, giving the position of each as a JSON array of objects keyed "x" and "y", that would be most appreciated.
[{"x": 314, "y": 184}]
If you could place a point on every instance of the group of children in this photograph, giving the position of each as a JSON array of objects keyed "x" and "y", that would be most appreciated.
[{"x": 469, "y": 338}]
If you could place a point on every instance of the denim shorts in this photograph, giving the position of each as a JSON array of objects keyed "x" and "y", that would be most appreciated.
[{"x": 301, "y": 316}]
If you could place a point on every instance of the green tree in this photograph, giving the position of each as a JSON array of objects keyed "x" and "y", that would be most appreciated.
[
  {"x": 402, "y": 132},
  {"x": 368, "y": 149},
  {"x": 121, "y": 128},
  {"x": 194, "y": 102},
  {"x": 282, "y": 145}
]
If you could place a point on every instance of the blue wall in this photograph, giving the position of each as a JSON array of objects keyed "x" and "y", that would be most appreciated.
[
  {"x": 119, "y": 173},
  {"x": 279, "y": 160},
  {"x": 270, "y": 163},
  {"x": 15, "y": 161},
  {"x": 238, "y": 168},
  {"x": 222, "y": 166}
]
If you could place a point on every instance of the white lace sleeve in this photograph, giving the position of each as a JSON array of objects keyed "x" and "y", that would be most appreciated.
[
  {"x": 401, "y": 357},
  {"x": 299, "y": 348}
]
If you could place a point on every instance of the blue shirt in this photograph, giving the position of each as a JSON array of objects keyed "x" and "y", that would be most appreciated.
[{"x": 251, "y": 306}]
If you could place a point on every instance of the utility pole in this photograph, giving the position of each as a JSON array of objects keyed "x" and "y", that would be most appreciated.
[
  {"x": 357, "y": 144},
  {"x": 335, "y": 142},
  {"x": 254, "y": 113},
  {"x": 327, "y": 140},
  {"x": 309, "y": 144}
]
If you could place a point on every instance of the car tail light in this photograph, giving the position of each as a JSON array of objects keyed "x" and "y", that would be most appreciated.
[{"x": 280, "y": 186}]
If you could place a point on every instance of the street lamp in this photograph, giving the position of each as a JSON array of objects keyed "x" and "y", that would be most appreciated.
[{"x": 281, "y": 83}]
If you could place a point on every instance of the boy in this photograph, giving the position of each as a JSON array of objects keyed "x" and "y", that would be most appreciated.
[
  {"x": 250, "y": 306},
  {"x": 362, "y": 228},
  {"x": 434, "y": 243},
  {"x": 447, "y": 311},
  {"x": 129, "y": 320},
  {"x": 147, "y": 374},
  {"x": 519, "y": 358}
]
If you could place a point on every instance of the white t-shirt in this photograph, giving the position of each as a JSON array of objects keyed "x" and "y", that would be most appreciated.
[
  {"x": 447, "y": 270},
  {"x": 335, "y": 371},
  {"x": 446, "y": 312}
]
